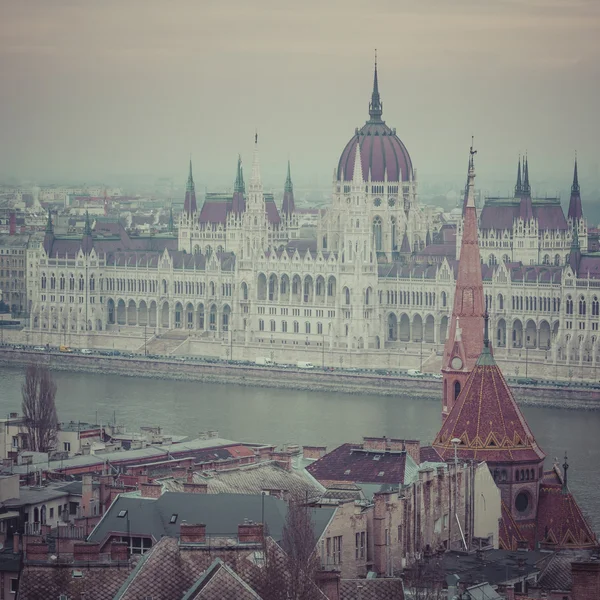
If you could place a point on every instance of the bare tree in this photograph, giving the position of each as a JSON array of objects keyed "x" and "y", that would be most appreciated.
[
  {"x": 425, "y": 581},
  {"x": 290, "y": 570},
  {"x": 39, "y": 410}
]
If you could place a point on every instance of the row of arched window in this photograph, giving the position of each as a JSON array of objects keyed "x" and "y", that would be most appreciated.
[
  {"x": 62, "y": 283},
  {"x": 582, "y": 306}
]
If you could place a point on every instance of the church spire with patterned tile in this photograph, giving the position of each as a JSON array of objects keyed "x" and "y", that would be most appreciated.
[{"x": 465, "y": 336}]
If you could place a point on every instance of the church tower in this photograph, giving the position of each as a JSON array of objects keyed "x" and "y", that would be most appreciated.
[
  {"x": 575, "y": 214},
  {"x": 188, "y": 223},
  {"x": 465, "y": 335}
]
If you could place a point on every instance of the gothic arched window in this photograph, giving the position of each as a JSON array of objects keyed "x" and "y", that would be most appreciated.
[{"x": 377, "y": 233}]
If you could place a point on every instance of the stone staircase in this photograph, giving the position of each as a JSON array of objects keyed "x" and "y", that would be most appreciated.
[{"x": 165, "y": 344}]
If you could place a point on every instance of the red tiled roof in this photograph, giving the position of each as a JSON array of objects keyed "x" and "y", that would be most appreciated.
[
  {"x": 488, "y": 421},
  {"x": 560, "y": 522},
  {"x": 429, "y": 454},
  {"x": 509, "y": 532},
  {"x": 350, "y": 462}
]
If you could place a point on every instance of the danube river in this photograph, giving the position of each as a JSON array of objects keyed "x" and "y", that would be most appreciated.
[{"x": 287, "y": 416}]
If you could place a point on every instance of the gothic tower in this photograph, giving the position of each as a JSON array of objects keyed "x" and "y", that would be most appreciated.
[{"x": 465, "y": 335}]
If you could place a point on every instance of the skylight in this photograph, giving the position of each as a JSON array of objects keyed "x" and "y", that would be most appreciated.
[
  {"x": 173, "y": 518},
  {"x": 347, "y": 472},
  {"x": 380, "y": 474},
  {"x": 376, "y": 457},
  {"x": 122, "y": 514}
]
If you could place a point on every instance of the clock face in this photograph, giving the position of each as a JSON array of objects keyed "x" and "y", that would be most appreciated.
[
  {"x": 456, "y": 363},
  {"x": 377, "y": 202},
  {"x": 391, "y": 202}
]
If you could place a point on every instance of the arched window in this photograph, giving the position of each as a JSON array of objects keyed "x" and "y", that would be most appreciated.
[
  {"x": 307, "y": 327},
  {"x": 595, "y": 306},
  {"x": 296, "y": 327},
  {"x": 569, "y": 306},
  {"x": 81, "y": 283},
  {"x": 506, "y": 258},
  {"x": 43, "y": 281},
  {"x": 492, "y": 260},
  {"x": 557, "y": 259},
  {"x": 444, "y": 299},
  {"x": 62, "y": 282},
  {"x": 244, "y": 291},
  {"x": 377, "y": 233},
  {"x": 546, "y": 259},
  {"x": 72, "y": 282},
  {"x": 582, "y": 305},
  {"x": 272, "y": 325},
  {"x": 92, "y": 283},
  {"x": 393, "y": 233},
  {"x": 456, "y": 390},
  {"x": 52, "y": 281},
  {"x": 500, "y": 302},
  {"x": 165, "y": 286},
  {"x": 347, "y": 294}
]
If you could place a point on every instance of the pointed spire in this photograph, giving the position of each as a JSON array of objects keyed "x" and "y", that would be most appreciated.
[
  {"x": 171, "y": 225},
  {"x": 375, "y": 106},
  {"x": 239, "y": 178},
  {"x": 575, "y": 186},
  {"x": 575, "y": 209},
  {"x": 288, "y": 206},
  {"x": 519, "y": 186},
  {"x": 526, "y": 186},
  {"x": 288, "y": 181},
  {"x": 565, "y": 487},
  {"x": 357, "y": 175},
  {"x": 49, "y": 226},
  {"x": 190, "y": 187},
  {"x": 255, "y": 180},
  {"x": 471, "y": 178},
  {"x": 189, "y": 204},
  {"x": 87, "y": 228}
]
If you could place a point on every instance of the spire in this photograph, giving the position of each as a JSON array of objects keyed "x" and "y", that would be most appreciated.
[
  {"x": 375, "y": 106},
  {"x": 575, "y": 186},
  {"x": 87, "y": 228},
  {"x": 526, "y": 186},
  {"x": 255, "y": 180},
  {"x": 171, "y": 225},
  {"x": 190, "y": 182},
  {"x": 239, "y": 178},
  {"x": 575, "y": 253},
  {"x": 288, "y": 181},
  {"x": 519, "y": 186},
  {"x": 462, "y": 351},
  {"x": 357, "y": 176},
  {"x": 575, "y": 210},
  {"x": 49, "y": 226},
  {"x": 189, "y": 205},
  {"x": 565, "y": 488},
  {"x": 238, "y": 205},
  {"x": 288, "y": 207}
]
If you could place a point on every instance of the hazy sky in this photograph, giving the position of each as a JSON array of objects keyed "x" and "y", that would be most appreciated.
[{"x": 91, "y": 88}]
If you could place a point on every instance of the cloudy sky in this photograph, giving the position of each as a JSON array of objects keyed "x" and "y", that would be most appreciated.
[{"x": 96, "y": 88}]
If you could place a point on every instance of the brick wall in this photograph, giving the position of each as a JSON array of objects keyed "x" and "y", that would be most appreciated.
[
  {"x": 86, "y": 552},
  {"x": 151, "y": 490},
  {"x": 586, "y": 580},
  {"x": 195, "y": 488},
  {"x": 314, "y": 452},
  {"x": 250, "y": 532},
  {"x": 192, "y": 533}
]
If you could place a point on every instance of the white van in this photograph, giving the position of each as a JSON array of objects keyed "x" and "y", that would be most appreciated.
[
  {"x": 414, "y": 373},
  {"x": 305, "y": 365},
  {"x": 85, "y": 351}
]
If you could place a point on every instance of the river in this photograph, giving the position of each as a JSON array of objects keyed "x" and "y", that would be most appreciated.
[{"x": 252, "y": 414}]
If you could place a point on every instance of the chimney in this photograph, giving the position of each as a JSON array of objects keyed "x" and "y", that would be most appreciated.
[
  {"x": 192, "y": 534},
  {"x": 509, "y": 592},
  {"x": 190, "y": 475},
  {"x": 250, "y": 533},
  {"x": 37, "y": 551},
  {"x": 151, "y": 490},
  {"x": 118, "y": 551},
  {"x": 314, "y": 452},
  {"x": 83, "y": 552},
  {"x": 195, "y": 488},
  {"x": 329, "y": 583},
  {"x": 586, "y": 580},
  {"x": 86, "y": 495}
]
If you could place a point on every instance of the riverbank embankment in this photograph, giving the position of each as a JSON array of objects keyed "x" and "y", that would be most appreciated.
[{"x": 286, "y": 378}]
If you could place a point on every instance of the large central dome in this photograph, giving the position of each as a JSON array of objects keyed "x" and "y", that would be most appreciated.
[{"x": 381, "y": 149}]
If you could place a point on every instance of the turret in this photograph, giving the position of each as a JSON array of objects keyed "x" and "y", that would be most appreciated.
[
  {"x": 526, "y": 206},
  {"x": 575, "y": 210},
  {"x": 288, "y": 207},
  {"x": 375, "y": 106},
  {"x": 519, "y": 184},
  {"x": 238, "y": 204},
  {"x": 87, "y": 241},
  {"x": 189, "y": 206},
  {"x": 575, "y": 253},
  {"x": 465, "y": 336}
]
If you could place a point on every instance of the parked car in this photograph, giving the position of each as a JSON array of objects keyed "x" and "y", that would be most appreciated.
[{"x": 86, "y": 351}]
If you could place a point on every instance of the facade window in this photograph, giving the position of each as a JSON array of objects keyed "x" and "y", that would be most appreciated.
[
  {"x": 272, "y": 325},
  {"x": 284, "y": 326},
  {"x": 359, "y": 552},
  {"x": 296, "y": 327},
  {"x": 14, "y": 585},
  {"x": 337, "y": 550},
  {"x": 67, "y": 446},
  {"x": 569, "y": 306},
  {"x": 582, "y": 306},
  {"x": 261, "y": 325},
  {"x": 320, "y": 328},
  {"x": 307, "y": 327}
]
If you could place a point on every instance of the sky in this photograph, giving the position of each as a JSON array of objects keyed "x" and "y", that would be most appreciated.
[{"x": 91, "y": 90}]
